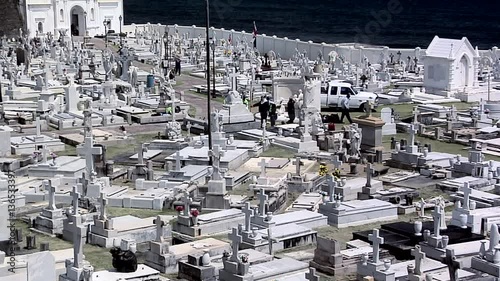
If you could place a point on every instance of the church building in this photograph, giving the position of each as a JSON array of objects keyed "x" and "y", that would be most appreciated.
[{"x": 78, "y": 17}]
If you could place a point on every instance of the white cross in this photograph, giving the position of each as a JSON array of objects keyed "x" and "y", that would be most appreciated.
[
  {"x": 187, "y": 203},
  {"x": 297, "y": 165},
  {"x": 140, "y": 153},
  {"x": 88, "y": 150},
  {"x": 159, "y": 228},
  {"x": 235, "y": 243},
  {"x": 177, "y": 161},
  {"x": 369, "y": 172},
  {"x": 249, "y": 212},
  {"x": 103, "y": 201},
  {"x": 436, "y": 215},
  {"x": 377, "y": 240},
  {"x": 262, "y": 202},
  {"x": 467, "y": 191},
  {"x": 52, "y": 190},
  {"x": 415, "y": 115},
  {"x": 311, "y": 275},
  {"x": 76, "y": 196},
  {"x": 413, "y": 131},
  {"x": 331, "y": 187},
  {"x": 38, "y": 127},
  {"x": 419, "y": 258},
  {"x": 262, "y": 166}
]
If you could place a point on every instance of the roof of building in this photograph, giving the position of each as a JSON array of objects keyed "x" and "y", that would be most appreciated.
[{"x": 448, "y": 48}]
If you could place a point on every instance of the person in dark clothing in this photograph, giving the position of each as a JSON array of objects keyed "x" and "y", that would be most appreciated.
[
  {"x": 263, "y": 109},
  {"x": 290, "y": 108},
  {"x": 273, "y": 114},
  {"x": 177, "y": 66}
]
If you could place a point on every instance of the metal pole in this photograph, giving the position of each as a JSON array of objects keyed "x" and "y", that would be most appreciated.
[
  {"x": 213, "y": 66},
  {"x": 209, "y": 108},
  {"x": 121, "y": 42},
  {"x": 489, "y": 84}
]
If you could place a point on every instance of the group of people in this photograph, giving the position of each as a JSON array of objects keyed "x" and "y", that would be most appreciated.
[{"x": 268, "y": 108}]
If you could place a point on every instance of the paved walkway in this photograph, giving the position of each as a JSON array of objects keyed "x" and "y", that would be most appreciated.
[{"x": 185, "y": 81}]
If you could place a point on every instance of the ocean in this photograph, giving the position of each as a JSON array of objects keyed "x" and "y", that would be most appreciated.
[{"x": 394, "y": 23}]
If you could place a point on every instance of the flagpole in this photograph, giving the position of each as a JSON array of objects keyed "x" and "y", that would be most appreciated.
[{"x": 209, "y": 108}]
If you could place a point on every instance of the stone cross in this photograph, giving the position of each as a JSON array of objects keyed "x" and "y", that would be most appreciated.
[
  {"x": 140, "y": 153},
  {"x": 235, "y": 243},
  {"x": 38, "y": 127},
  {"x": 419, "y": 258},
  {"x": 187, "y": 203},
  {"x": 467, "y": 191},
  {"x": 76, "y": 197},
  {"x": 453, "y": 264},
  {"x": 413, "y": 131},
  {"x": 103, "y": 201},
  {"x": 377, "y": 241},
  {"x": 415, "y": 115},
  {"x": 78, "y": 242},
  {"x": 262, "y": 202},
  {"x": 177, "y": 161},
  {"x": 369, "y": 172},
  {"x": 336, "y": 161},
  {"x": 436, "y": 215},
  {"x": 44, "y": 154},
  {"x": 249, "y": 212},
  {"x": 263, "y": 166},
  {"x": 331, "y": 186},
  {"x": 216, "y": 153},
  {"x": 297, "y": 166},
  {"x": 88, "y": 150},
  {"x": 52, "y": 192},
  {"x": 159, "y": 228},
  {"x": 311, "y": 275}
]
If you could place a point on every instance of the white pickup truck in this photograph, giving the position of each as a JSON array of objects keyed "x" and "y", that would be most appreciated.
[{"x": 332, "y": 93}]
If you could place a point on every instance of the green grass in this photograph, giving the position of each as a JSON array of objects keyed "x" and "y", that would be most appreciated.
[
  {"x": 140, "y": 213},
  {"x": 436, "y": 145},
  {"x": 192, "y": 111},
  {"x": 115, "y": 150}
]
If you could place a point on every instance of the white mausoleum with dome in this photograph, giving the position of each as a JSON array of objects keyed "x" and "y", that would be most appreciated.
[{"x": 76, "y": 16}]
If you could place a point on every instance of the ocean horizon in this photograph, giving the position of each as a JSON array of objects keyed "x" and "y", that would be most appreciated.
[{"x": 394, "y": 23}]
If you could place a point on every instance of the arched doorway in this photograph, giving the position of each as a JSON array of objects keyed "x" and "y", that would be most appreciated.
[
  {"x": 464, "y": 72},
  {"x": 77, "y": 21}
]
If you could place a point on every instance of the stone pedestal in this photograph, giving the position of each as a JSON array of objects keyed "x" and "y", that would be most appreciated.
[
  {"x": 216, "y": 197},
  {"x": 50, "y": 221},
  {"x": 372, "y": 131}
]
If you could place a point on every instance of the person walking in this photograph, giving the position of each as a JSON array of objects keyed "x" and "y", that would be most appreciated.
[
  {"x": 290, "y": 108},
  {"x": 344, "y": 105},
  {"x": 177, "y": 66}
]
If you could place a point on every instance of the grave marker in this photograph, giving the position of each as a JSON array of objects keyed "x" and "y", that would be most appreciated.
[
  {"x": 377, "y": 240},
  {"x": 249, "y": 212},
  {"x": 159, "y": 229},
  {"x": 419, "y": 258},
  {"x": 262, "y": 196},
  {"x": 235, "y": 243}
]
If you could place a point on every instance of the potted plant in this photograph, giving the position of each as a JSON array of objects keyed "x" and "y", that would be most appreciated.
[{"x": 194, "y": 216}]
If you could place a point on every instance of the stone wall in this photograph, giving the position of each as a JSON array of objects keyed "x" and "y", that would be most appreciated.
[{"x": 11, "y": 17}]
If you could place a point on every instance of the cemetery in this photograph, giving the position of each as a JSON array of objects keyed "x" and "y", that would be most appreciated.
[{"x": 236, "y": 165}]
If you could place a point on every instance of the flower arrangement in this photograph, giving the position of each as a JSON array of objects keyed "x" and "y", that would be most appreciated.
[
  {"x": 195, "y": 212},
  {"x": 53, "y": 155},
  {"x": 179, "y": 209}
]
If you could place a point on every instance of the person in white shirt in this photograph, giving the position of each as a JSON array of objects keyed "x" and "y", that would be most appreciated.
[{"x": 344, "y": 105}]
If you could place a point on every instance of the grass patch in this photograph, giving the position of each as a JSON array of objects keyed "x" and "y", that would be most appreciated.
[
  {"x": 140, "y": 213},
  {"x": 446, "y": 147},
  {"x": 115, "y": 150},
  {"x": 277, "y": 152},
  {"x": 69, "y": 150},
  {"x": 192, "y": 111},
  {"x": 55, "y": 243}
]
